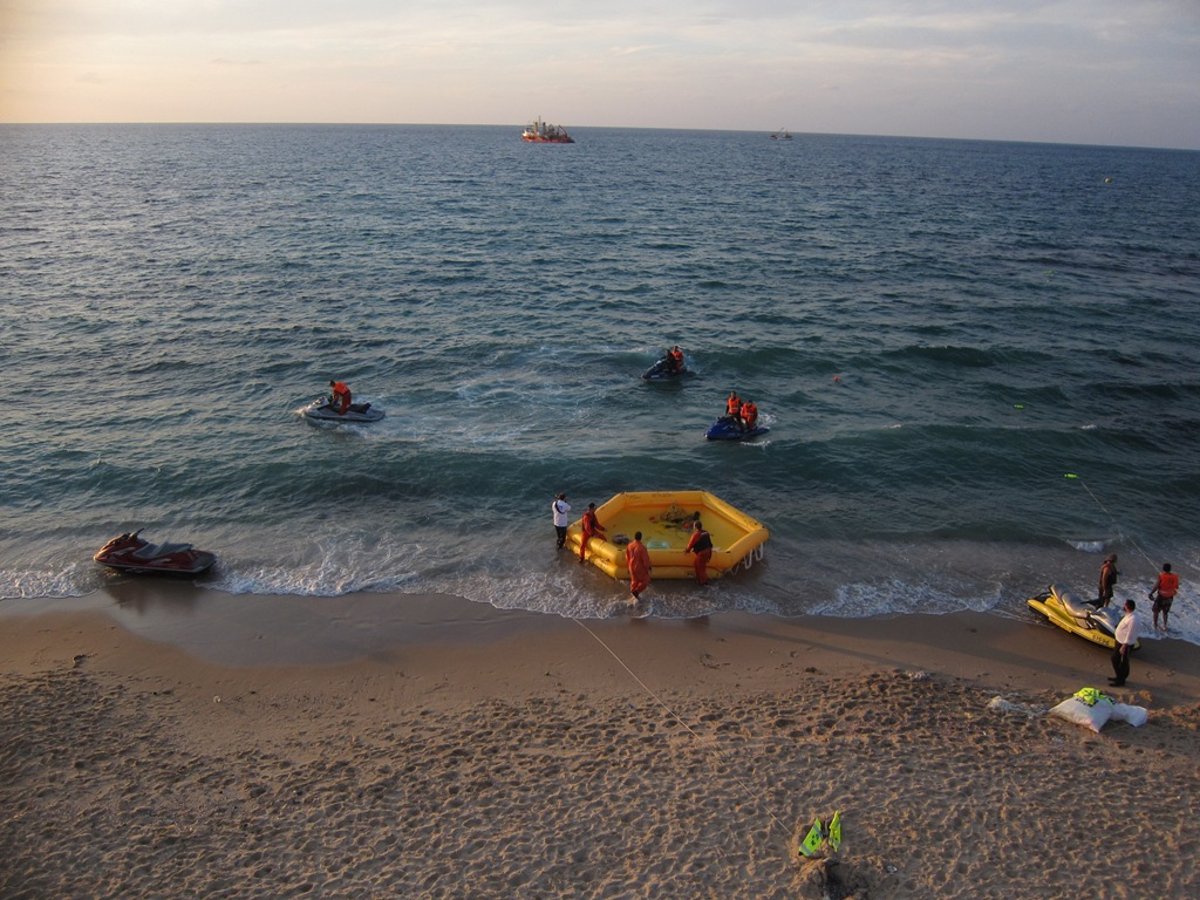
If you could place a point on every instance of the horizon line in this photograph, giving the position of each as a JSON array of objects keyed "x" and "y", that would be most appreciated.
[{"x": 764, "y": 131}]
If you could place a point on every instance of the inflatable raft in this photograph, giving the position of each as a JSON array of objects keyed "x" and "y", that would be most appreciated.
[{"x": 665, "y": 520}]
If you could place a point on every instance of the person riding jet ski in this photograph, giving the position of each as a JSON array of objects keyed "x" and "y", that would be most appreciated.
[{"x": 339, "y": 397}]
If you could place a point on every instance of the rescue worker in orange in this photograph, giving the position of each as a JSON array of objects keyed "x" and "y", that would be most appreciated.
[
  {"x": 701, "y": 544},
  {"x": 749, "y": 413},
  {"x": 733, "y": 405},
  {"x": 1163, "y": 593},
  {"x": 675, "y": 355},
  {"x": 590, "y": 527},
  {"x": 637, "y": 560},
  {"x": 339, "y": 397}
]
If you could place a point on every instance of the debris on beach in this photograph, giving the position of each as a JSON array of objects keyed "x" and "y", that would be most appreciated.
[{"x": 999, "y": 704}]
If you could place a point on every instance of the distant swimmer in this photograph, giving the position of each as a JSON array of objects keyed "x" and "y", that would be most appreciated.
[{"x": 1163, "y": 594}]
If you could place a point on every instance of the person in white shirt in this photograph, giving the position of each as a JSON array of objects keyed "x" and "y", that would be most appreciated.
[
  {"x": 1126, "y": 636},
  {"x": 560, "y": 507}
]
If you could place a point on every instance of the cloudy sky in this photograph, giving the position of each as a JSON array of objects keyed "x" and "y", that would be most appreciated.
[{"x": 1121, "y": 72}]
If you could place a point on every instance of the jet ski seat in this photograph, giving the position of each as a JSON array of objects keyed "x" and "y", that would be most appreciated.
[
  {"x": 1071, "y": 602},
  {"x": 151, "y": 551}
]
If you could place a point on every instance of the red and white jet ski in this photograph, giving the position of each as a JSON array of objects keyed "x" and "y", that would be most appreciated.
[{"x": 130, "y": 553}]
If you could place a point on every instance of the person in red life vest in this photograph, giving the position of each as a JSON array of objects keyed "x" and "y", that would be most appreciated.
[
  {"x": 1163, "y": 593},
  {"x": 701, "y": 544},
  {"x": 733, "y": 405},
  {"x": 339, "y": 396},
  {"x": 749, "y": 415},
  {"x": 637, "y": 560},
  {"x": 591, "y": 527},
  {"x": 1108, "y": 578},
  {"x": 675, "y": 356}
]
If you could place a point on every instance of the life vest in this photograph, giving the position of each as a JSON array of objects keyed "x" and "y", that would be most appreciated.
[
  {"x": 749, "y": 413},
  {"x": 677, "y": 357},
  {"x": 733, "y": 405},
  {"x": 1168, "y": 584},
  {"x": 589, "y": 523},
  {"x": 341, "y": 396}
]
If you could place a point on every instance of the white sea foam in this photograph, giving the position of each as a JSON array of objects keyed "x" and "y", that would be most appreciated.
[{"x": 892, "y": 597}]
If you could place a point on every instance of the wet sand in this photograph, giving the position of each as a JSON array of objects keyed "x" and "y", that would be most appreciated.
[{"x": 158, "y": 740}]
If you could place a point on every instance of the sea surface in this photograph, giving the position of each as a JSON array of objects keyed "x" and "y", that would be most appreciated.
[{"x": 937, "y": 333}]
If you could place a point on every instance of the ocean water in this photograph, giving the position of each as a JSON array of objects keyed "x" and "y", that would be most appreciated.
[{"x": 937, "y": 332}]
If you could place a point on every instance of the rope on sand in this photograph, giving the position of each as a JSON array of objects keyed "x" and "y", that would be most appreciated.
[{"x": 733, "y": 773}]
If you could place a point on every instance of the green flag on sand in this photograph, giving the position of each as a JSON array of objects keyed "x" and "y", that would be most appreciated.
[
  {"x": 835, "y": 831},
  {"x": 812, "y": 841}
]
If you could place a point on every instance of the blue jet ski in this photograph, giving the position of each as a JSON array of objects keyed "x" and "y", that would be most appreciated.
[
  {"x": 321, "y": 410},
  {"x": 727, "y": 428}
]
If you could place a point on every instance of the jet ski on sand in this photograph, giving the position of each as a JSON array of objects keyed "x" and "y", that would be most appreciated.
[{"x": 1081, "y": 617}]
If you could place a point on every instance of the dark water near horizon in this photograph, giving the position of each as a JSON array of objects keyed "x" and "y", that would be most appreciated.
[{"x": 936, "y": 331}]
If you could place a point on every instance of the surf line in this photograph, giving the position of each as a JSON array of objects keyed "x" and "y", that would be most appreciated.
[{"x": 688, "y": 728}]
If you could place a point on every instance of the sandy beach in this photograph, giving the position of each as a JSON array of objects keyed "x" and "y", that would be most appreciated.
[{"x": 159, "y": 740}]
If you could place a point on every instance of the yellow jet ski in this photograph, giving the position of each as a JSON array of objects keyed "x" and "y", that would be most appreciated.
[{"x": 1065, "y": 609}]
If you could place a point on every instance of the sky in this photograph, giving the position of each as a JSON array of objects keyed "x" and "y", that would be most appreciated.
[{"x": 1119, "y": 72}]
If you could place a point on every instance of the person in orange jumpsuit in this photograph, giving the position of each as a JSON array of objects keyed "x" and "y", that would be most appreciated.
[
  {"x": 591, "y": 527},
  {"x": 1163, "y": 593},
  {"x": 340, "y": 396},
  {"x": 637, "y": 560},
  {"x": 701, "y": 544},
  {"x": 749, "y": 413}
]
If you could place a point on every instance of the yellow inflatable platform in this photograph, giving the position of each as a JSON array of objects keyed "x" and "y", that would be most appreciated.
[{"x": 665, "y": 520}]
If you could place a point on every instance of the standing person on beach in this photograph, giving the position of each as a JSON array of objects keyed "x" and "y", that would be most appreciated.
[
  {"x": 590, "y": 527},
  {"x": 560, "y": 508},
  {"x": 1163, "y": 593},
  {"x": 1126, "y": 636},
  {"x": 701, "y": 544},
  {"x": 1108, "y": 578},
  {"x": 637, "y": 560}
]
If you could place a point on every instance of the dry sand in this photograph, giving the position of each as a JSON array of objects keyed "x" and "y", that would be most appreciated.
[{"x": 513, "y": 755}]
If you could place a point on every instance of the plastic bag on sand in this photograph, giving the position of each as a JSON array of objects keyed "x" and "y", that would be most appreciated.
[
  {"x": 1093, "y": 715},
  {"x": 999, "y": 704},
  {"x": 1134, "y": 715}
]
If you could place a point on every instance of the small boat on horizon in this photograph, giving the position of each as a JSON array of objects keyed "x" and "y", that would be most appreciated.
[
  {"x": 781, "y": 135},
  {"x": 540, "y": 132}
]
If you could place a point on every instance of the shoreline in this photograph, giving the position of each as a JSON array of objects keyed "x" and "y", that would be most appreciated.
[
  {"x": 245, "y": 631},
  {"x": 445, "y": 747}
]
